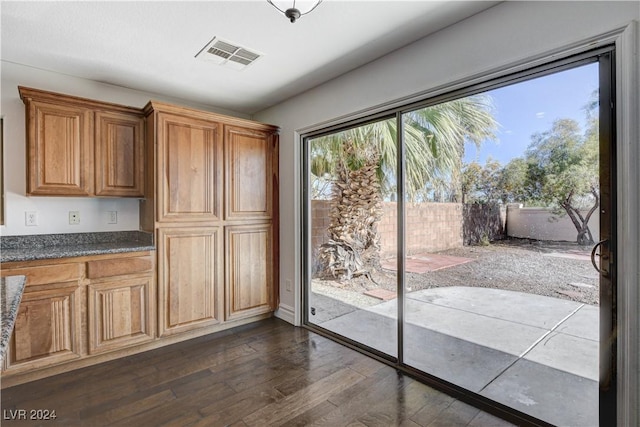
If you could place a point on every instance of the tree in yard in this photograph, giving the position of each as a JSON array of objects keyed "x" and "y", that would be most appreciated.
[
  {"x": 360, "y": 164},
  {"x": 514, "y": 182},
  {"x": 562, "y": 172},
  {"x": 482, "y": 184}
]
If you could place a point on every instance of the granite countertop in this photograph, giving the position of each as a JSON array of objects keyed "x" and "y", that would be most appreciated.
[
  {"x": 52, "y": 246},
  {"x": 11, "y": 289}
]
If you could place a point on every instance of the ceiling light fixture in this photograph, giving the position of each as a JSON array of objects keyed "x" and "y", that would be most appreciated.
[{"x": 293, "y": 13}]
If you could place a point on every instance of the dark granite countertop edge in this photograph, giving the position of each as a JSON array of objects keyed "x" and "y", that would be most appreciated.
[
  {"x": 56, "y": 246},
  {"x": 57, "y": 252}
]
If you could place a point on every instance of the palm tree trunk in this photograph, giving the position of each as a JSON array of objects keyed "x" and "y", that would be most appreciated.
[{"x": 353, "y": 248}]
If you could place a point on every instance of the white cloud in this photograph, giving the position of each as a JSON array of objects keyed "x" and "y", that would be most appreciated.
[{"x": 540, "y": 115}]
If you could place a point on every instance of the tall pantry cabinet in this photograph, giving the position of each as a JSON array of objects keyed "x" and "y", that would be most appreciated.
[{"x": 212, "y": 201}]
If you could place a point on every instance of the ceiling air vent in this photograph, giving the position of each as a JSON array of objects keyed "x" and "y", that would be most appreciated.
[{"x": 226, "y": 53}]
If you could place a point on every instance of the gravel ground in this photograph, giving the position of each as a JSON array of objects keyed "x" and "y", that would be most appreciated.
[{"x": 515, "y": 264}]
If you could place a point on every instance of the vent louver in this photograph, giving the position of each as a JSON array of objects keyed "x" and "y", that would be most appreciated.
[{"x": 226, "y": 53}]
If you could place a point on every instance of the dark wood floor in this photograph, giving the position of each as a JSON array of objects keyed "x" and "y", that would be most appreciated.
[{"x": 267, "y": 373}]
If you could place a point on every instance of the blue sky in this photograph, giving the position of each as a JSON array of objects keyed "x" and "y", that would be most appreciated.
[{"x": 532, "y": 106}]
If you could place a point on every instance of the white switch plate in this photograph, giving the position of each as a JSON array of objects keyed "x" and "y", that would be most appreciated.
[
  {"x": 112, "y": 217},
  {"x": 287, "y": 285},
  {"x": 74, "y": 217},
  {"x": 31, "y": 219}
]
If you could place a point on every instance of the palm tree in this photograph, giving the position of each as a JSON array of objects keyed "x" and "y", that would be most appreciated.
[{"x": 360, "y": 165}]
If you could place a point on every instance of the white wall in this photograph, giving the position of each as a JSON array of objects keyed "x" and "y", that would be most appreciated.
[
  {"x": 507, "y": 34},
  {"x": 53, "y": 212}
]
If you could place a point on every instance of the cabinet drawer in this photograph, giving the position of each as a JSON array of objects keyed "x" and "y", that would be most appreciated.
[
  {"x": 47, "y": 274},
  {"x": 118, "y": 267}
]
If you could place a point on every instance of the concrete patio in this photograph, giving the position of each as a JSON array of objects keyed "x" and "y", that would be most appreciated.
[{"x": 534, "y": 353}]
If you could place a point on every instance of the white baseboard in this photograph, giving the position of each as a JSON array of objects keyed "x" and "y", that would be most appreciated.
[{"x": 286, "y": 313}]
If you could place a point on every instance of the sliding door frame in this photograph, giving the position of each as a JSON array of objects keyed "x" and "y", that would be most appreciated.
[{"x": 605, "y": 55}]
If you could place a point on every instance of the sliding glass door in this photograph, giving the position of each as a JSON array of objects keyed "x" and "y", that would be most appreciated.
[
  {"x": 352, "y": 220},
  {"x": 504, "y": 300},
  {"x": 457, "y": 239}
]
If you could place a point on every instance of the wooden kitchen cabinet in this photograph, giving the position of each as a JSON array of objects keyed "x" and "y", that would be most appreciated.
[
  {"x": 212, "y": 203},
  {"x": 47, "y": 327},
  {"x": 121, "y": 303},
  {"x": 47, "y": 330},
  {"x": 76, "y": 308},
  {"x": 120, "y": 313},
  {"x": 119, "y": 155},
  {"x": 190, "y": 273},
  {"x": 81, "y": 147},
  {"x": 248, "y": 163},
  {"x": 189, "y": 169},
  {"x": 59, "y": 149},
  {"x": 249, "y": 270}
]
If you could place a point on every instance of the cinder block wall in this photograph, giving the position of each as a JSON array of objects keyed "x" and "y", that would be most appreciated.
[{"x": 430, "y": 227}]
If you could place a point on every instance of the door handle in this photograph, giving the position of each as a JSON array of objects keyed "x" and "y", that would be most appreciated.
[{"x": 593, "y": 257}]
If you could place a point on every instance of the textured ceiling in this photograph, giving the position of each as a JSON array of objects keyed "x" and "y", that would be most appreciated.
[{"x": 151, "y": 45}]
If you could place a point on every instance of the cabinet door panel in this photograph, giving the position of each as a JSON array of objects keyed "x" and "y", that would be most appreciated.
[
  {"x": 120, "y": 314},
  {"x": 60, "y": 150},
  {"x": 188, "y": 169},
  {"x": 248, "y": 173},
  {"x": 249, "y": 282},
  {"x": 119, "y": 155},
  {"x": 47, "y": 327},
  {"x": 189, "y": 276}
]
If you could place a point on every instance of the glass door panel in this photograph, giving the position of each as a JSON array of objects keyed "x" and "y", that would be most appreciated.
[
  {"x": 352, "y": 222},
  {"x": 502, "y": 200}
]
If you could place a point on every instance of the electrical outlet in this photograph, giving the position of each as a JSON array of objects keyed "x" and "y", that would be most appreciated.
[
  {"x": 287, "y": 285},
  {"x": 112, "y": 217},
  {"x": 74, "y": 217},
  {"x": 31, "y": 219}
]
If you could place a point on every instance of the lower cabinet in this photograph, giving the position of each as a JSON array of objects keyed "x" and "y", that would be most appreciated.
[
  {"x": 75, "y": 307},
  {"x": 189, "y": 278},
  {"x": 120, "y": 313},
  {"x": 78, "y": 311},
  {"x": 121, "y": 302},
  {"x": 47, "y": 327},
  {"x": 249, "y": 275}
]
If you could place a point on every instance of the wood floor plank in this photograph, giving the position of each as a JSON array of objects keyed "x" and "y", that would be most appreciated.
[
  {"x": 135, "y": 406},
  {"x": 303, "y": 400},
  {"x": 181, "y": 411},
  {"x": 398, "y": 410},
  {"x": 195, "y": 365},
  {"x": 310, "y": 415},
  {"x": 356, "y": 401},
  {"x": 267, "y": 373}
]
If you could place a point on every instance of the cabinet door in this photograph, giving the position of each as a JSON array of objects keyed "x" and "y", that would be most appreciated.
[
  {"x": 60, "y": 150},
  {"x": 189, "y": 278},
  {"x": 189, "y": 169},
  {"x": 47, "y": 327},
  {"x": 120, "y": 313},
  {"x": 248, "y": 166},
  {"x": 119, "y": 155},
  {"x": 249, "y": 270}
]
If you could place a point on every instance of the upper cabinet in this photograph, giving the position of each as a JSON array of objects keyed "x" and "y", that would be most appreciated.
[
  {"x": 210, "y": 168},
  {"x": 189, "y": 164},
  {"x": 81, "y": 147},
  {"x": 248, "y": 161},
  {"x": 60, "y": 149},
  {"x": 119, "y": 144}
]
